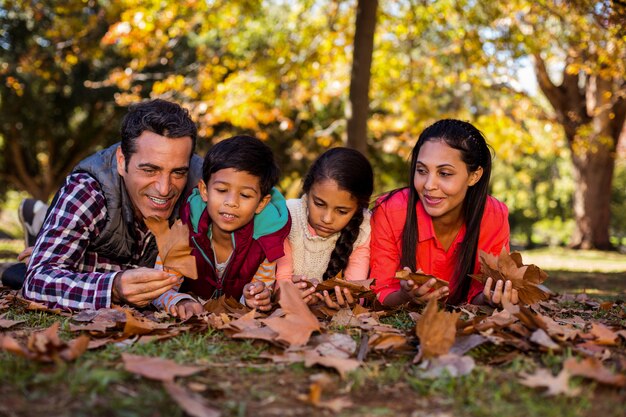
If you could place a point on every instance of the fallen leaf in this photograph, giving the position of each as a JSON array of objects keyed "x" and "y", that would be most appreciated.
[
  {"x": 541, "y": 338},
  {"x": 157, "y": 368},
  {"x": 387, "y": 341},
  {"x": 6, "y": 323},
  {"x": 436, "y": 330},
  {"x": 339, "y": 345},
  {"x": 193, "y": 404},
  {"x": 556, "y": 385},
  {"x": 342, "y": 365},
  {"x": 603, "y": 335},
  {"x": 173, "y": 244},
  {"x": 46, "y": 346},
  {"x": 296, "y": 327},
  {"x": 592, "y": 368},
  {"x": 449, "y": 364},
  {"x": 358, "y": 289},
  {"x": 420, "y": 278}
]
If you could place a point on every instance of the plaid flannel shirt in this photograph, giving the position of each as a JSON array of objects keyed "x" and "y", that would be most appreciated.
[{"x": 63, "y": 272}]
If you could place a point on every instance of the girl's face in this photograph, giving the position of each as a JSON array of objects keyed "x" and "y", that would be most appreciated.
[
  {"x": 441, "y": 180},
  {"x": 330, "y": 207}
]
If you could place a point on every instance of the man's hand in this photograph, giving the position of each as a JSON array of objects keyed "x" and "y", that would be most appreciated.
[
  {"x": 138, "y": 287},
  {"x": 258, "y": 296},
  {"x": 24, "y": 255},
  {"x": 184, "y": 309}
]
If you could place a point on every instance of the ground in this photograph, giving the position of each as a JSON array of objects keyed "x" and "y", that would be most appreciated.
[{"x": 238, "y": 381}]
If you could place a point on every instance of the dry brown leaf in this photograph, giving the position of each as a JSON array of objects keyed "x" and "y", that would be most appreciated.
[
  {"x": 421, "y": 278},
  {"x": 193, "y": 404},
  {"x": 436, "y": 330},
  {"x": 525, "y": 278},
  {"x": 452, "y": 365},
  {"x": 46, "y": 346},
  {"x": 603, "y": 335},
  {"x": 358, "y": 289},
  {"x": 136, "y": 325},
  {"x": 296, "y": 326},
  {"x": 157, "y": 368},
  {"x": 592, "y": 368},
  {"x": 342, "y": 365},
  {"x": 387, "y": 341},
  {"x": 173, "y": 244},
  {"x": 5, "y": 323},
  {"x": 541, "y": 338},
  {"x": 555, "y": 384}
]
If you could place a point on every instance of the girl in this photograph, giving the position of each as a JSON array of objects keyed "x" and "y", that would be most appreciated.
[
  {"x": 440, "y": 224},
  {"x": 330, "y": 229}
]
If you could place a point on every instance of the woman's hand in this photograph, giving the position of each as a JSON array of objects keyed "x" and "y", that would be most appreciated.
[
  {"x": 422, "y": 293},
  {"x": 503, "y": 293}
]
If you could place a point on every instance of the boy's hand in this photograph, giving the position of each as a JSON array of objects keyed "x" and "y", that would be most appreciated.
[
  {"x": 344, "y": 299},
  {"x": 258, "y": 296},
  {"x": 306, "y": 287},
  {"x": 502, "y": 294},
  {"x": 184, "y": 309}
]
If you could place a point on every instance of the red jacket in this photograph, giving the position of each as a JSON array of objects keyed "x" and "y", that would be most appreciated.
[
  {"x": 248, "y": 252},
  {"x": 386, "y": 245}
]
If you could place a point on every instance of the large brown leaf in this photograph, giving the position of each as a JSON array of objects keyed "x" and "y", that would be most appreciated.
[
  {"x": 296, "y": 326},
  {"x": 173, "y": 244},
  {"x": 525, "y": 278},
  {"x": 157, "y": 368},
  {"x": 436, "y": 330},
  {"x": 592, "y": 368},
  {"x": 46, "y": 346},
  {"x": 555, "y": 384},
  {"x": 193, "y": 404}
]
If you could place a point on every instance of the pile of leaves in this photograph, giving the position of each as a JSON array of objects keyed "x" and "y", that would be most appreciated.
[{"x": 344, "y": 339}]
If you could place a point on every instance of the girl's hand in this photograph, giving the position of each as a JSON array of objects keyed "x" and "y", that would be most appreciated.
[
  {"x": 422, "y": 293},
  {"x": 344, "y": 299},
  {"x": 502, "y": 294},
  {"x": 257, "y": 295},
  {"x": 306, "y": 287},
  {"x": 184, "y": 309}
]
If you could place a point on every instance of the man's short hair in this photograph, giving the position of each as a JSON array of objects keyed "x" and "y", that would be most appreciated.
[{"x": 158, "y": 116}]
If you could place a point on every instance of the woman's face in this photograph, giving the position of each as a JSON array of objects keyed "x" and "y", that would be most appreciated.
[{"x": 441, "y": 180}]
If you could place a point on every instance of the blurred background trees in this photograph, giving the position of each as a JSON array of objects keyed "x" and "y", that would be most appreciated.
[{"x": 544, "y": 80}]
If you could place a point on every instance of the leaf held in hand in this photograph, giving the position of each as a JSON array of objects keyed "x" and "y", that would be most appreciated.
[
  {"x": 525, "y": 278},
  {"x": 173, "y": 244},
  {"x": 421, "y": 278}
]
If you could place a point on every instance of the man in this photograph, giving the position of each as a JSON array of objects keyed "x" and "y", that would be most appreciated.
[{"x": 94, "y": 248}]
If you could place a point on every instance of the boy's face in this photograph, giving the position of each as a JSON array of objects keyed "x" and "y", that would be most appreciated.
[
  {"x": 233, "y": 198},
  {"x": 156, "y": 173}
]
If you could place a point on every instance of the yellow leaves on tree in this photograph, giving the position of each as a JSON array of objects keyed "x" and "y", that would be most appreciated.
[
  {"x": 436, "y": 330},
  {"x": 525, "y": 278},
  {"x": 173, "y": 244}
]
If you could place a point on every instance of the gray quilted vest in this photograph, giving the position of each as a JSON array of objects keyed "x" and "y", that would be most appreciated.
[{"x": 117, "y": 240}]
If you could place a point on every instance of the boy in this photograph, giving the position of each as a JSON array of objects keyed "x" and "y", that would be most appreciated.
[{"x": 237, "y": 224}]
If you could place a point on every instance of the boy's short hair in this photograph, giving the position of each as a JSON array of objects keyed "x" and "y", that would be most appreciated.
[{"x": 243, "y": 153}]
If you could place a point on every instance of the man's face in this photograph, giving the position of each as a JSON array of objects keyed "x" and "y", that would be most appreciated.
[{"x": 156, "y": 173}]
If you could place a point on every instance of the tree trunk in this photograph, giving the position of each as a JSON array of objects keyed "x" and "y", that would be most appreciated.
[
  {"x": 592, "y": 119},
  {"x": 361, "y": 74}
]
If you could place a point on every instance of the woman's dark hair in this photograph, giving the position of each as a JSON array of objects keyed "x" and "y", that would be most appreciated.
[
  {"x": 475, "y": 153},
  {"x": 353, "y": 173},
  {"x": 243, "y": 153},
  {"x": 157, "y": 116}
]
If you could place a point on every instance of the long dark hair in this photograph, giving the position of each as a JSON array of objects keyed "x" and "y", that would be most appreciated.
[
  {"x": 353, "y": 173},
  {"x": 475, "y": 153}
]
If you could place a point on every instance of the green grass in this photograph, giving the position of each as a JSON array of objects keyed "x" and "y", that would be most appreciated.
[{"x": 563, "y": 259}]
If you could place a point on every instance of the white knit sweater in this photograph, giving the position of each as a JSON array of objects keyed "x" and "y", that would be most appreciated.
[{"x": 311, "y": 254}]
